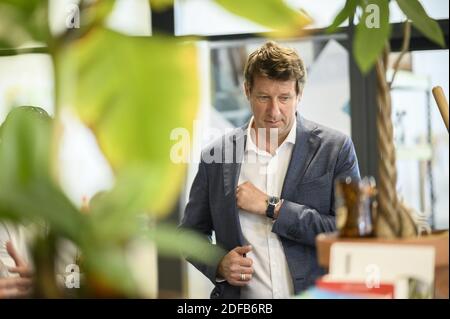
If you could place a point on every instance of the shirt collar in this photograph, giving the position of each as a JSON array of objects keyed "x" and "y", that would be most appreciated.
[{"x": 291, "y": 138}]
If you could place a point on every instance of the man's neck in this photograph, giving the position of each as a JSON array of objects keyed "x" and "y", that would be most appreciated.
[{"x": 270, "y": 140}]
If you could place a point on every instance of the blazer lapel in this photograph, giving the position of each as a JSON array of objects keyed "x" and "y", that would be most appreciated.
[
  {"x": 306, "y": 145},
  {"x": 234, "y": 145}
]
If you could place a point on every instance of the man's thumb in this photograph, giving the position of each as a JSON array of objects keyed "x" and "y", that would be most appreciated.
[{"x": 243, "y": 250}]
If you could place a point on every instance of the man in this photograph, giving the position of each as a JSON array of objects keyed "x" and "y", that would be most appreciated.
[
  {"x": 268, "y": 204},
  {"x": 16, "y": 275},
  {"x": 16, "y": 267}
]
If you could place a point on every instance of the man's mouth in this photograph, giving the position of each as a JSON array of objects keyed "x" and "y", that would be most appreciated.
[{"x": 272, "y": 123}]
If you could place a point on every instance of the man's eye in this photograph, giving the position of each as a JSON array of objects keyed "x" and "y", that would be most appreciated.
[
  {"x": 284, "y": 98},
  {"x": 263, "y": 98}
]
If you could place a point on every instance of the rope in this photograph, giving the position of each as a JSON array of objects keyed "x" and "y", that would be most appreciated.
[{"x": 394, "y": 218}]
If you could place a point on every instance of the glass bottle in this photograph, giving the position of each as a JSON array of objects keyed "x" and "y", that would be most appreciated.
[{"x": 356, "y": 207}]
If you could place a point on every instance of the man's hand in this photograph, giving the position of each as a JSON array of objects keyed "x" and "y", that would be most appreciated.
[
  {"x": 22, "y": 267},
  {"x": 235, "y": 268},
  {"x": 16, "y": 287},
  {"x": 251, "y": 199}
]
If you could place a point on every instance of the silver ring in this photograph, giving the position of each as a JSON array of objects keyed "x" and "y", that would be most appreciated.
[{"x": 243, "y": 277}]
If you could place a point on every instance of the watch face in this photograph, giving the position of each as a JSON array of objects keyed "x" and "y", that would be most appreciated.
[{"x": 274, "y": 200}]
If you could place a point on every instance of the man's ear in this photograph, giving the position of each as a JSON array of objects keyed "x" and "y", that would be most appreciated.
[{"x": 247, "y": 90}]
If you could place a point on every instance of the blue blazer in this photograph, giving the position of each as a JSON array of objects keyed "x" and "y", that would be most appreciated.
[{"x": 320, "y": 155}]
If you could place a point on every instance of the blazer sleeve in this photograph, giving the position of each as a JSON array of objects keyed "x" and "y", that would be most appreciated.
[
  {"x": 197, "y": 218},
  {"x": 301, "y": 223}
]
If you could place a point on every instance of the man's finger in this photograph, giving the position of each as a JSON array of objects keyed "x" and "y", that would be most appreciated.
[
  {"x": 242, "y": 277},
  {"x": 246, "y": 270},
  {"x": 243, "y": 250},
  {"x": 25, "y": 284},
  {"x": 236, "y": 279},
  {"x": 245, "y": 262},
  {"x": 22, "y": 271},
  {"x": 14, "y": 255},
  {"x": 15, "y": 282},
  {"x": 10, "y": 293}
]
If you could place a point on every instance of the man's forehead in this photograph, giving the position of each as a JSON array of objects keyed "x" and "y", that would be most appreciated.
[
  {"x": 266, "y": 84},
  {"x": 268, "y": 80}
]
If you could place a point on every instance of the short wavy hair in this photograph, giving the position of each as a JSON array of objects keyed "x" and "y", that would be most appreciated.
[{"x": 277, "y": 63}]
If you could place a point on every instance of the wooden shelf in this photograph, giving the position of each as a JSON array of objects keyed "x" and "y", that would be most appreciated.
[{"x": 439, "y": 240}]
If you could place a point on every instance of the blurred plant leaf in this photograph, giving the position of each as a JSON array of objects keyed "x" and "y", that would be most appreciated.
[
  {"x": 115, "y": 214},
  {"x": 43, "y": 250},
  {"x": 160, "y": 5},
  {"x": 24, "y": 146},
  {"x": 108, "y": 273},
  {"x": 414, "y": 10},
  {"x": 132, "y": 92},
  {"x": 171, "y": 241},
  {"x": 41, "y": 202},
  {"x": 347, "y": 12},
  {"x": 22, "y": 21},
  {"x": 94, "y": 13},
  {"x": 28, "y": 194},
  {"x": 274, "y": 14},
  {"x": 371, "y": 36},
  {"x": 26, "y": 191}
]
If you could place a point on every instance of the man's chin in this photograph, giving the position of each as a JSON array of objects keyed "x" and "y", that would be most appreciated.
[{"x": 271, "y": 125}]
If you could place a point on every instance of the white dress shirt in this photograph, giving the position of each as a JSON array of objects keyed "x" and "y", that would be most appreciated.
[{"x": 271, "y": 278}]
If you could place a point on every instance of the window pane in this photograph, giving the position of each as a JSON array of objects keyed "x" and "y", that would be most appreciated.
[
  {"x": 323, "y": 11},
  {"x": 327, "y": 65},
  {"x": 420, "y": 135},
  {"x": 437, "y": 9},
  {"x": 131, "y": 17},
  {"x": 26, "y": 80},
  {"x": 205, "y": 17}
]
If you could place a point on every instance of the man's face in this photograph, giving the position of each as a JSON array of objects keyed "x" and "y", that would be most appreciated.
[{"x": 273, "y": 103}]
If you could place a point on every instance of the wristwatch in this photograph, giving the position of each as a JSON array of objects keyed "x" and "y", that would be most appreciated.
[{"x": 272, "y": 202}]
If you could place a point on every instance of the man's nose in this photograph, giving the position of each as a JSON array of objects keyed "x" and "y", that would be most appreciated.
[{"x": 274, "y": 108}]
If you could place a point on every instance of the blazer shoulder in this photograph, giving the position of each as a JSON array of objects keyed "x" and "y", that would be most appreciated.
[
  {"x": 223, "y": 142},
  {"x": 327, "y": 134},
  {"x": 226, "y": 142}
]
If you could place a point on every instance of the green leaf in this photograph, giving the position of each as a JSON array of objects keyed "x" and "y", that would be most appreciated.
[
  {"x": 347, "y": 11},
  {"x": 115, "y": 214},
  {"x": 41, "y": 202},
  {"x": 108, "y": 273},
  {"x": 160, "y": 5},
  {"x": 26, "y": 190},
  {"x": 94, "y": 13},
  {"x": 22, "y": 21},
  {"x": 274, "y": 14},
  {"x": 414, "y": 10},
  {"x": 132, "y": 92},
  {"x": 173, "y": 243},
  {"x": 371, "y": 36},
  {"x": 25, "y": 146},
  {"x": 12, "y": 32}
]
